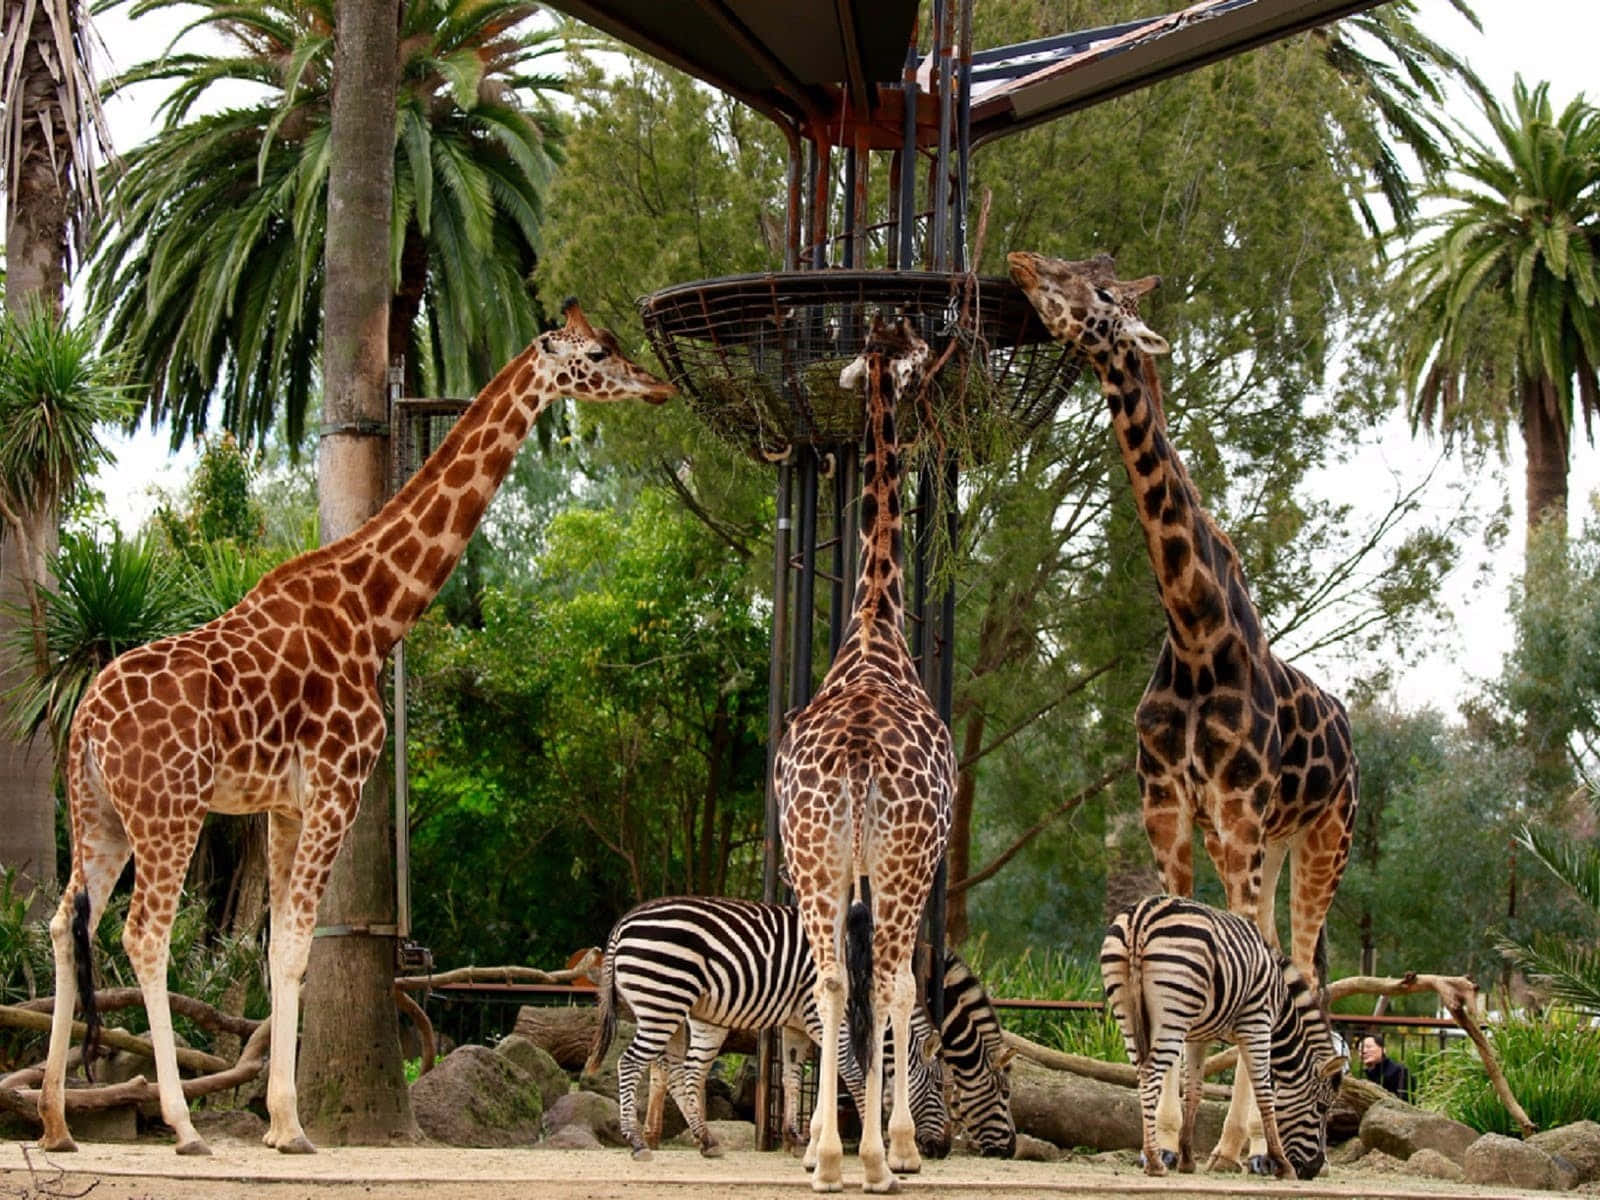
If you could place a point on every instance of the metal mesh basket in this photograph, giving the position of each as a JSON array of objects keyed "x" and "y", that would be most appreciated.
[{"x": 759, "y": 356}]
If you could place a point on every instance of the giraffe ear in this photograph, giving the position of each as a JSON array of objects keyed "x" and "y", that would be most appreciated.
[{"x": 854, "y": 375}]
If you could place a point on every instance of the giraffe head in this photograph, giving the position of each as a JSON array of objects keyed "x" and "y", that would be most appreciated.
[
  {"x": 1084, "y": 304},
  {"x": 907, "y": 354},
  {"x": 586, "y": 363}
]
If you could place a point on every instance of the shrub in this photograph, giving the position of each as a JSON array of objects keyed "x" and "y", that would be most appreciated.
[
  {"x": 1553, "y": 1067},
  {"x": 1052, "y": 975}
]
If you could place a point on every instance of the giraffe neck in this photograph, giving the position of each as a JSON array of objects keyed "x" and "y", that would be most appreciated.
[
  {"x": 400, "y": 558},
  {"x": 1196, "y": 567},
  {"x": 878, "y": 608}
]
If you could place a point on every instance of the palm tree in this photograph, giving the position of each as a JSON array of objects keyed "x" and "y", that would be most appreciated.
[
  {"x": 1503, "y": 294},
  {"x": 1569, "y": 968},
  {"x": 54, "y": 134},
  {"x": 211, "y": 268},
  {"x": 55, "y": 389}
]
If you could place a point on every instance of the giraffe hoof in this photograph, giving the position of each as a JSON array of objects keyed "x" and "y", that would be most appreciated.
[
  {"x": 61, "y": 1145},
  {"x": 642, "y": 1154},
  {"x": 297, "y": 1145},
  {"x": 1221, "y": 1162},
  {"x": 884, "y": 1187},
  {"x": 194, "y": 1149}
]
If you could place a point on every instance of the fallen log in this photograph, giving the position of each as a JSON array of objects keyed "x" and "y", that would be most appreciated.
[
  {"x": 1121, "y": 1074},
  {"x": 414, "y": 983},
  {"x": 202, "y": 1014},
  {"x": 24, "y": 1101},
  {"x": 16, "y": 1017}
]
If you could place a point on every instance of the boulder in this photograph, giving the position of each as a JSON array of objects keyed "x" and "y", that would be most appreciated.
[
  {"x": 552, "y": 1079},
  {"x": 1074, "y": 1110},
  {"x": 475, "y": 1097},
  {"x": 591, "y": 1111},
  {"x": 1400, "y": 1130},
  {"x": 1032, "y": 1149},
  {"x": 571, "y": 1137},
  {"x": 728, "y": 1135},
  {"x": 1434, "y": 1165},
  {"x": 1578, "y": 1143},
  {"x": 1507, "y": 1161}
]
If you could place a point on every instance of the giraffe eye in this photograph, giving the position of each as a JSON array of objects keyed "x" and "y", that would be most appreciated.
[{"x": 598, "y": 353}]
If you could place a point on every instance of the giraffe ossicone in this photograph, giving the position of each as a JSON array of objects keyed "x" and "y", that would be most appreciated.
[
  {"x": 864, "y": 776},
  {"x": 274, "y": 706},
  {"x": 1232, "y": 739}
]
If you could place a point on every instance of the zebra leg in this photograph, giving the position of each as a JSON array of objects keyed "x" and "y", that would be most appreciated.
[
  {"x": 796, "y": 1046},
  {"x": 1193, "y": 1076},
  {"x": 647, "y": 1046},
  {"x": 1154, "y": 1074},
  {"x": 1255, "y": 1057},
  {"x": 705, "y": 1042}
]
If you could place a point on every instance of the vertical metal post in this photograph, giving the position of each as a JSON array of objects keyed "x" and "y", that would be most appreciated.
[
  {"x": 907, "y": 221},
  {"x": 963, "y": 132},
  {"x": 402, "y": 778},
  {"x": 839, "y": 599},
  {"x": 943, "y": 696},
  {"x": 941, "y": 176},
  {"x": 800, "y": 678},
  {"x": 767, "y": 1043}
]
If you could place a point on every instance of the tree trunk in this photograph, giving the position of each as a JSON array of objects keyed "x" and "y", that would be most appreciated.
[
  {"x": 351, "y": 1079},
  {"x": 36, "y": 274},
  {"x": 1546, "y": 438},
  {"x": 960, "y": 852}
]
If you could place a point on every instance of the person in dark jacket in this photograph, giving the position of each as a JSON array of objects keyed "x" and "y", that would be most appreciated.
[{"x": 1383, "y": 1070}]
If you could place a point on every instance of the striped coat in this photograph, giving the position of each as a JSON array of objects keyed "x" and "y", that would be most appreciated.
[{"x": 1179, "y": 974}]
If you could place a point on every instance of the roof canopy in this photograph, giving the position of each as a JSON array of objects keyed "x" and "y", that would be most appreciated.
[{"x": 819, "y": 66}]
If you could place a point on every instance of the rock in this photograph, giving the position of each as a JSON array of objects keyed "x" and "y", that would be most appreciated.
[
  {"x": 1434, "y": 1165},
  {"x": 592, "y": 1111},
  {"x": 475, "y": 1097},
  {"x": 728, "y": 1135},
  {"x": 1032, "y": 1149},
  {"x": 1400, "y": 1130},
  {"x": 553, "y": 1080},
  {"x": 1578, "y": 1143},
  {"x": 1497, "y": 1159},
  {"x": 229, "y": 1125},
  {"x": 571, "y": 1137},
  {"x": 1074, "y": 1110},
  {"x": 1346, "y": 1153},
  {"x": 120, "y": 1124}
]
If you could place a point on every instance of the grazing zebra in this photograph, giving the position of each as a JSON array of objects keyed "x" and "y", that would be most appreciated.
[
  {"x": 715, "y": 964},
  {"x": 977, "y": 1061},
  {"x": 1179, "y": 974}
]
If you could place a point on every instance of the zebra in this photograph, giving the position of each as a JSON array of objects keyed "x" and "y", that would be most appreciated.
[
  {"x": 710, "y": 965},
  {"x": 1178, "y": 974}
]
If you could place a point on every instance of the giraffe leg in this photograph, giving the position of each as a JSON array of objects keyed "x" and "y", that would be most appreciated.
[
  {"x": 1229, "y": 1152},
  {"x": 655, "y": 1105},
  {"x": 1316, "y": 865},
  {"x": 1194, "y": 1061},
  {"x": 874, "y": 1160},
  {"x": 99, "y": 853},
  {"x": 903, "y": 1153},
  {"x": 147, "y": 938}
]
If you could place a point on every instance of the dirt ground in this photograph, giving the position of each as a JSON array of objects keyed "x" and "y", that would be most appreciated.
[{"x": 145, "y": 1171}]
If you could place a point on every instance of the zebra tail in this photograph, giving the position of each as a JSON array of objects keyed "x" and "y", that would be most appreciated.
[
  {"x": 608, "y": 1014},
  {"x": 85, "y": 973},
  {"x": 858, "y": 968}
]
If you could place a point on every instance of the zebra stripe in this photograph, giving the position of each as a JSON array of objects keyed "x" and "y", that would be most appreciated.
[
  {"x": 1179, "y": 974},
  {"x": 974, "y": 1053}
]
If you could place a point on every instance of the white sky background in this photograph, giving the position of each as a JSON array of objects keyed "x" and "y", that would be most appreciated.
[{"x": 1550, "y": 40}]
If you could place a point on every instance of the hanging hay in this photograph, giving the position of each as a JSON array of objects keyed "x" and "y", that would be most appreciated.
[{"x": 758, "y": 357}]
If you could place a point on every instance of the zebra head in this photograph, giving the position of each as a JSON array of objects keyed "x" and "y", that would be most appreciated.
[
  {"x": 977, "y": 1062},
  {"x": 928, "y": 1089},
  {"x": 1306, "y": 1073}
]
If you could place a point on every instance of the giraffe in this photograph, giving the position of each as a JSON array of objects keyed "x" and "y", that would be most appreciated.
[
  {"x": 1231, "y": 738},
  {"x": 275, "y": 706},
  {"x": 864, "y": 777}
]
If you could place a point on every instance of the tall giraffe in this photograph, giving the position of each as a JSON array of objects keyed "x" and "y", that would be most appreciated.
[
  {"x": 864, "y": 776},
  {"x": 1232, "y": 739},
  {"x": 274, "y": 706}
]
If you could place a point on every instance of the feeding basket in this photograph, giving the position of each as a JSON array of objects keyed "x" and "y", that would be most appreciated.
[{"x": 758, "y": 356}]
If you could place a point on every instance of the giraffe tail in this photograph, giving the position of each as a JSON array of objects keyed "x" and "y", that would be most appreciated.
[
  {"x": 85, "y": 974},
  {"x": 858, "y": 967},
  {"x": 608, "y": 1014}
]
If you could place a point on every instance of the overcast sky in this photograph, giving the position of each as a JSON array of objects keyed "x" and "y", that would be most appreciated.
[{"x": 1552, "y": 40}]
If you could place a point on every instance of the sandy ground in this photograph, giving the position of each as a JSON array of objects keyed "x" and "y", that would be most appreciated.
[{"x": 143, "y": 1171}]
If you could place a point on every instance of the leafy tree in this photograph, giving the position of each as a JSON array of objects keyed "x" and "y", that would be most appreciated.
[
  {"x": 212, "y": 269},
  {"x": 1569, "y": 967},
  {"x": 1502, "y": 298}
]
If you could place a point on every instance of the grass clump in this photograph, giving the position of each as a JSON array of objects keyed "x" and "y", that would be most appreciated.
[
  {"x": 1052, "y": 975},
  {"x": 1553, "y": 1067}
]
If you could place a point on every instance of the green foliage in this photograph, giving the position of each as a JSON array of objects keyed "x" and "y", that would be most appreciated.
[
  {"x": 1052, "y": 975},
  {"x": 219, "y": 503},
  {"x": 211, "y": 268},
  {"x": 110, "y": 594},
  {"x": 1568, "y": 967},
  {"x": 57, "y": 385},
  {"x": 1552, "y": 1066},
  {"x": 598, "y": 736}
]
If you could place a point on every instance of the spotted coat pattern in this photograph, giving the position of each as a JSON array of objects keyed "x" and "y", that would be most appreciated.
[
  {"x": 1232, "y": 740},
  {"x": 274, "y": 707},
  {"x": 864, "y": 777}
]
